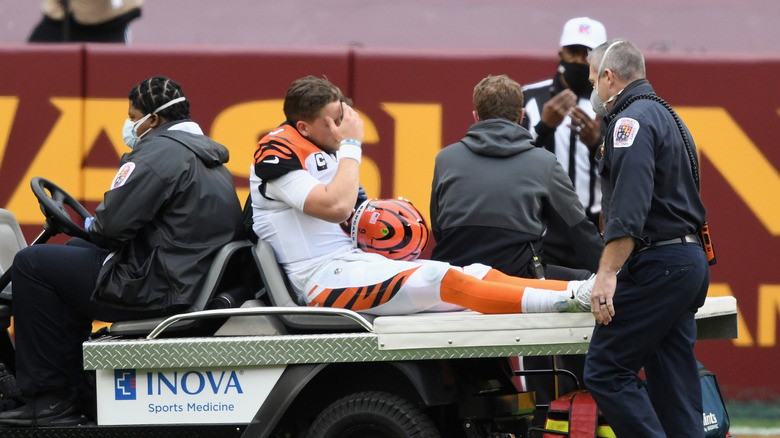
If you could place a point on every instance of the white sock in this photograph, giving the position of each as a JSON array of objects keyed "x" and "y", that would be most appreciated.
[{"x": 542, "y": 300}]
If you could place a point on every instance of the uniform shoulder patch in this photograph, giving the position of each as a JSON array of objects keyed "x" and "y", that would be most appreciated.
[
  {"x": 625, "y": 132},
  {"x": 122, "y": 175}
]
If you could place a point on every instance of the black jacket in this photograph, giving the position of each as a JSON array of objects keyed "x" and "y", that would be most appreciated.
[
  {"x": 171, "y": 207},
  {"x": 650, "y": 192},
  {"x": 494, "y": 191}
]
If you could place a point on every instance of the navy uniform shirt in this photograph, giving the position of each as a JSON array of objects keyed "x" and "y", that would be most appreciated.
[{"x": 649, "y": 192}]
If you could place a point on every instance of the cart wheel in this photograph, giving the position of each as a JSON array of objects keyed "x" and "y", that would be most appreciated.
[{"x": 372, "y": 415}]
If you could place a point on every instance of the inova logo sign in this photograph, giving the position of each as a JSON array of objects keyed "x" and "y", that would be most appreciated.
[
  {"x": 124, "y": 384},
  {"x": 183, "y": 396},
  {"x": 193, "y": 382}
]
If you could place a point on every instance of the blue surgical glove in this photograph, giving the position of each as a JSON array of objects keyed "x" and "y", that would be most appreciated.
[{"x": 88, "y": 222}]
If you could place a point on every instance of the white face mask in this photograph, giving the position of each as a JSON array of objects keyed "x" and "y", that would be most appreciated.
[
  {"x": 129, "y": 130},
  {"x": 129, "y": 133},
  {"x": 599, "y": 106}
]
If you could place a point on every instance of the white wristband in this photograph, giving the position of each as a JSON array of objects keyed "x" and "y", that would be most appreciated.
[{"x": 350, "y": 150}]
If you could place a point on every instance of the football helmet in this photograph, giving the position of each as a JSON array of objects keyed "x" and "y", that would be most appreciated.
[{"x": 393, "y": 228}]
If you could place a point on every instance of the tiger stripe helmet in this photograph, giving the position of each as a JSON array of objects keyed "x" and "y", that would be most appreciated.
[{"x": 393, "y": 228}]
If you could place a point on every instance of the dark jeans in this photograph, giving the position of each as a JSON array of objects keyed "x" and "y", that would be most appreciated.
[
  {"x": 658, "y": 293},
  {"x": 53, "y": 313}
]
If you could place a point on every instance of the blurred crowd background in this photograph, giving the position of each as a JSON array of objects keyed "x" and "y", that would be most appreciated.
[{"x": 745, "y": 27}]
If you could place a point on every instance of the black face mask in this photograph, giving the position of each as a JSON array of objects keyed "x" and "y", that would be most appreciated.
[{"x": 576, "y": 75}]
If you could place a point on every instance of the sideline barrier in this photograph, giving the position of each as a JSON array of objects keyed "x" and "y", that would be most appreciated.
[{"x": 62, "y": 108}]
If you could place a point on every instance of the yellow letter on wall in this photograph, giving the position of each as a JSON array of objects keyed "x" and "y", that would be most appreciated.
[
  {"x": 417, "y": 141},
  {"x": 768, "y": 309},
  {"x": 58, "y": 160},
  {"x": 239, "y": 128},
  {"x": 751, "y": 175},
  {"x": 8, "y": 110},
  {"x": 102, "y": 116}
]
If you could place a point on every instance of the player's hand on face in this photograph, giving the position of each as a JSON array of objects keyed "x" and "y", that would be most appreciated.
[
  {"x": 558, "y": 107},
  {"x": 351, "y": 125},
  {"x": 588, "y": 129}
]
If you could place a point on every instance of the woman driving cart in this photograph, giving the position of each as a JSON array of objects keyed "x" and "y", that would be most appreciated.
[{"x": 170, "y": 207}]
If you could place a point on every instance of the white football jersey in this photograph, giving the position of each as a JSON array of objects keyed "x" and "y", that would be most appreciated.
[{"x": 286, "y": 168}]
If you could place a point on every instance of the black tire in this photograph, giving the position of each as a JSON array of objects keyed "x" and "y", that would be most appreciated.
[{"x": 372, "y": 415}]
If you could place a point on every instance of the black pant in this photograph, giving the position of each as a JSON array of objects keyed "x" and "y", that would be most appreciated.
[
  {"x": 51, "y": 31},
  {"x": 53, "y": 313},
  {"x": 658, "y": 293}
]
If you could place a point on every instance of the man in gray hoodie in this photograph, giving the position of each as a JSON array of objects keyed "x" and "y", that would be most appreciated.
[{"x": 494, "y": 193}]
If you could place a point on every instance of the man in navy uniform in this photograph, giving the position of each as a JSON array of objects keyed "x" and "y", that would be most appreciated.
[{"x": 653, "y": 274}]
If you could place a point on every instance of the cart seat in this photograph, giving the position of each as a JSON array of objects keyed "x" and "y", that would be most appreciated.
[
  {"x": 225, "y": 280},
  {"x": 281, "y": 294},
  {"x": 11, "y": 242}
]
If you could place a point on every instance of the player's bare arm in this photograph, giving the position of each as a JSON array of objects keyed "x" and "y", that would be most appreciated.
[{"x": 334, "y": 202}]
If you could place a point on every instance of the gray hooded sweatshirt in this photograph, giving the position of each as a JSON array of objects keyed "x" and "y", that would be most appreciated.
[{"x": 494, "y": 192}]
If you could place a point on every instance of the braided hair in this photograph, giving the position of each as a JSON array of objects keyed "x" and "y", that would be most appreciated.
[{"x": 156, "y": 91}]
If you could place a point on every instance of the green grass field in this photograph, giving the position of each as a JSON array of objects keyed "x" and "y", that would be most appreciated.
[{"x": 754, "y": 418}]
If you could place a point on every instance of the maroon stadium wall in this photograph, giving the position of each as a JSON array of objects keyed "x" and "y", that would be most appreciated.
[{"x": 62, "y": 108}]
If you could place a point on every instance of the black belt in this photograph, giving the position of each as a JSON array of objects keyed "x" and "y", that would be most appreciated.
[{"x": 690, "y": 238}]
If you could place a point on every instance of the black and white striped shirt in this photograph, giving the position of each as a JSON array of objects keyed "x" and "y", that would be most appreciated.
[{"x": 574, "y": 155}]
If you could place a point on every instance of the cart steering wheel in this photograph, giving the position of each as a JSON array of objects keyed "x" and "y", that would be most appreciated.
[{"x": 53, "y": 201}]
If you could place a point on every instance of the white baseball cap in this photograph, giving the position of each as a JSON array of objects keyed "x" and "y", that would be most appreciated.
[{"x": 583, "y": 31}]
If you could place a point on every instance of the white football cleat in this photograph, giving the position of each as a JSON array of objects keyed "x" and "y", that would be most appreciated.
[{"x": 579, "y": 296}]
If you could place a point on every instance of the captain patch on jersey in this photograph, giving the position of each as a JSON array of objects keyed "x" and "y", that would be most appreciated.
[
  {"x": 284, "y": 151},
  {"x": 625, "y": 132}
]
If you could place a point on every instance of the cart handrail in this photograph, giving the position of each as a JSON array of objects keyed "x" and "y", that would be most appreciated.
[{"x": 254, "y": 311}]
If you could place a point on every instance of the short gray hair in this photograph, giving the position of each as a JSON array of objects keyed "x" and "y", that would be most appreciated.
[{"x": 621, "y": 57}]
